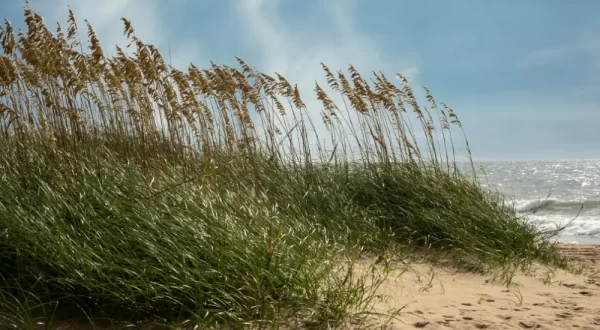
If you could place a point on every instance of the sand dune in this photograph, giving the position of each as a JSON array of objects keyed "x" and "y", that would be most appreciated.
[{"x": 433, "y": 298}]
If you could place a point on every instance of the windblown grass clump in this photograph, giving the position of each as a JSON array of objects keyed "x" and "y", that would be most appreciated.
[{"x": 135, "y": 191}]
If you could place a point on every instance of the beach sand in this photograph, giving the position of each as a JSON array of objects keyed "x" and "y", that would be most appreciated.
[{"x": 434, "y": 298}]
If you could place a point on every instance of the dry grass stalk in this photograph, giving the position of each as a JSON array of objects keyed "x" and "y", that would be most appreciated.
[{"x": 51, "y": 85}]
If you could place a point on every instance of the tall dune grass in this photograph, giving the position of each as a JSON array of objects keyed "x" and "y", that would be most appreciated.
[{"x": 135, "y": 191}]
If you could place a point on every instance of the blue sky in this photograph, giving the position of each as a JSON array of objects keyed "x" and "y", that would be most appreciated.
[{"x": 523, "y": 75}]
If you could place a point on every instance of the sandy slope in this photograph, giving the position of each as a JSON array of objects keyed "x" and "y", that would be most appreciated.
[
  {"x": 442, "y": 299},
  {"x": 434, "y": 298}
]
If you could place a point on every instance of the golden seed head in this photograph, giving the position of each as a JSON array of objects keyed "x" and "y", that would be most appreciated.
[{"x": 8, "y": 73}]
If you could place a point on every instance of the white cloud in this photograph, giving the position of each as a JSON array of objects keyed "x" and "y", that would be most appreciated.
[
  {"x": 411, "y": 73},
  {"x": 105, "y": 18},
  {"x": 294, "y": 53},
  {"x": 297, "y": 53},
  {"x": 587, "y": 45},
  {"x": 544, "y": 56}
]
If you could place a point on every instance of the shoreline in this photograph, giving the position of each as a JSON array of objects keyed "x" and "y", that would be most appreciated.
[
  {"x": 579, "y": 240},
  {"x": 587, "y": 254}
]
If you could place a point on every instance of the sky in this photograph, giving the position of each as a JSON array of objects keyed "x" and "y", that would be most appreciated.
[{"x": 524, "y": 76}]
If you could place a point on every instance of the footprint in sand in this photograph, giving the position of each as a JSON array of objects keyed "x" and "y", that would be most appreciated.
[
  {"x": 575, "y": 286},
  {"x": 505, "y": 317},
  {"x": 565, "y": 315},
  {"x": 529, "y": 325},
  {"x": 421, "y": 324},
  {"x": 564, "y": 302}
]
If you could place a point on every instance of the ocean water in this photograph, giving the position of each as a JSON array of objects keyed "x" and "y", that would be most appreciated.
[{"x": 551, "y": 194}]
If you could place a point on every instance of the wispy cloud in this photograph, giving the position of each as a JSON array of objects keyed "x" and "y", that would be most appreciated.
[
  {"x": 297, "y": 53},
  {"x": 544, "y": 56},
  {"x": 467, "y": 61},
  {"x": 105, "y": 18},
  {"x": 588, "y": 45}
]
